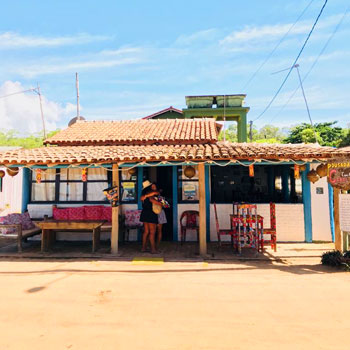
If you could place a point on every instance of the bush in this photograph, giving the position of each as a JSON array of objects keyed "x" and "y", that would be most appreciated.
[
  {"x": 333, "y": 258},
  {"x": 347, "y": 254}
]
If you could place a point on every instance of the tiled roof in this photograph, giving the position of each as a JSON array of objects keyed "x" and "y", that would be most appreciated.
[
  {"x": 167, "y": 131},
  {"x": 198, "y": 152},
  {"x": 170, "y": 109}
]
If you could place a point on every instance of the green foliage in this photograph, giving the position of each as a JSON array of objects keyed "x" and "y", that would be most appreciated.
[
  {"x": 346, "y": 139},
  {"x": 326, "y": 134},
  {"x": 13, "y": 138},
  {"x": 337, "y": 259}
]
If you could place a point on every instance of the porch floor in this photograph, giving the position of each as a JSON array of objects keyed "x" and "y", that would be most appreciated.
[{"x": 169, "y": 251}]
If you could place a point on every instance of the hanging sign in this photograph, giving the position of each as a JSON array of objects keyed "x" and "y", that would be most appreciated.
[
  {"x": 38, "y": 176},
  {"x": 339, "y": 174},
  {"x": 296, "y": 171},
  {"x": 344, "y": 212},
  {"x": 251, "y": 170},
  {"x": 112, "y": 194}
]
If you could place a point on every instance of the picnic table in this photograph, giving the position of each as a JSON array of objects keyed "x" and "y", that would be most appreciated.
[{"x": 49, "y": 227}]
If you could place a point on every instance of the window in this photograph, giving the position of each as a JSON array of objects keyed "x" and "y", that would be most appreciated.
[
  {"x": 231, "y": 184},
  {"x": 187, "y": 187},
  {"x": 128, "y": 186},
  {"x": 66, "y": 185}
]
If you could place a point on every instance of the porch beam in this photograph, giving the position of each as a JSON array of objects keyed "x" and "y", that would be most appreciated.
[
  {"x": 115, "y": 213},
  {"x": 337, "y": 232},
  {"x": 202, "y": 210}
]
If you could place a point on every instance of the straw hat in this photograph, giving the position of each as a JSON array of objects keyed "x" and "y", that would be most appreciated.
[{"x": 146, "y": 184}]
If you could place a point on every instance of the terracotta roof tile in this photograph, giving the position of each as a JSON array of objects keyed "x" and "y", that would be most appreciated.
[
  {"x": 165, "y": 131},
  {"x": 196, "y": 152}
]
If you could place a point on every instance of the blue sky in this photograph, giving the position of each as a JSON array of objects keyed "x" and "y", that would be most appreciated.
[{"x": 135, "y": 58}]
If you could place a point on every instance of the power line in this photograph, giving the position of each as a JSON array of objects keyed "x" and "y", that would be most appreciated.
[
  {"x": 314, "y": 63},
  {"x": 19, "y": 92},
  {"x": 276, "y": 47},
  {"x": 294, "y": 63}
]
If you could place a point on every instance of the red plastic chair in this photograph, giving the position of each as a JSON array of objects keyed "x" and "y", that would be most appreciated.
[
  {"x": 191, "y": 223},
  {"x": 223, "y": 232},
  {"x": 272, "y": 229}
]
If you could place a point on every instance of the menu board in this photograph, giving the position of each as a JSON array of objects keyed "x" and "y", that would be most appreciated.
[{"x": 344, "y": 212}]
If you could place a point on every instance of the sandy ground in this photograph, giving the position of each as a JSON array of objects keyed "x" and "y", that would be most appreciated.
[{"x": 64, "y": 304}]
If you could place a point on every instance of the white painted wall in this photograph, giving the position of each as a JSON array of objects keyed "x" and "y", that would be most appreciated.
[
  {"x": 321, "y": 226},
  {"x": 289, "y": 220},
  {"x": 37, "y": 211},
  {"x": 191, "y": 235},
  {"x": 11, "y": 195}
]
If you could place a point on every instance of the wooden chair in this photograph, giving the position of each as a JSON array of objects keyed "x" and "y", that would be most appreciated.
[
  {"x": 248, "y": 227},
  {"x": 223, "y": 232},
  {"x": 272, "y": 229},
  {"x": 191, "y": 223}
]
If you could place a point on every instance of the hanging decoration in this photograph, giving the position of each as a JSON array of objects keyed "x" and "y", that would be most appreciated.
[
  {"x": 2, "y": 174},
  {"x": 132, "y": 171},
  {"x": 112, "y": 194},
  {"x": 190, "y": 171},
  {"x": 38, "y": 176},
  {"x": 321, "y": 170},
  {"x": 12, "y": 171},
  {"x": 296, "y": 171},
  {"x": 84, "y": 175},
  {"x": 302, "y": 167},
  {"x": 251, "y": 170},
  {"x": 312, "y": 176}
]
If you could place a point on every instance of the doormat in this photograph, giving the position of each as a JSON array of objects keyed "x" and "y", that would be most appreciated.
[{"x": 147, "y": 261}]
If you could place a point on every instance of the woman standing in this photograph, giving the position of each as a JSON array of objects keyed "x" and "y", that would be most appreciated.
[
  {"x": 148, "y": 217},
  {"x": 161, "y": 216}
]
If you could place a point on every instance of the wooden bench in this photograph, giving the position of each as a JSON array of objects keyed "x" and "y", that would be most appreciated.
[{"x": 21, "y": 235}]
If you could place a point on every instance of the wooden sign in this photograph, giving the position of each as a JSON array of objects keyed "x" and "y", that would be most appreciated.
[
  {"x": 344, "y": 212},
  {"x": 339, "y": 174}
]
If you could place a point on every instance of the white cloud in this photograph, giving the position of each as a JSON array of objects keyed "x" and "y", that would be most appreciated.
[
  {"x": 22, "y": 111},
  {"x": 11, "y": 40},
  {"x": 200, "y": 36},
  {"x": 103, "y": 59},
  {"x": 250, "y": 36}
]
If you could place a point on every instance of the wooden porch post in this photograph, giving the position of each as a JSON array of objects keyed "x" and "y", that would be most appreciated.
[
  {"x": 337, "y": 233},
  {"x": 202, "y": 211},
  {"x": 115, "y": 213}
]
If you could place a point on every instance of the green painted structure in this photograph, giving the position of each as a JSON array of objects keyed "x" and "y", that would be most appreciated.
[{"x": 220, "y": 107}]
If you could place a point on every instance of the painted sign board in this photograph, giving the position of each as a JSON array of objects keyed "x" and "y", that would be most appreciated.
[
  {"x": 344, "y": 212},
  {"x": 339, "y": 174}
]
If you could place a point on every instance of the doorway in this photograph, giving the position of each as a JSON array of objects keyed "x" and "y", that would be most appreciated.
[{"x": 164, "y": 179}]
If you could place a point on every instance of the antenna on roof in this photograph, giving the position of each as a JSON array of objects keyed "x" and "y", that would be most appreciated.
[
  {"x": 78, "y": 117},
  {"x": 77, "y": 87}
]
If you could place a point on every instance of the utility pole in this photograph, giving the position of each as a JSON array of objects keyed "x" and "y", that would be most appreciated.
[
  {"x": 41, "y": 110},
  {"x": 307, "y": 106},
  {"x": 251, "y": 131},
  {"x": 77, "y": 86}
]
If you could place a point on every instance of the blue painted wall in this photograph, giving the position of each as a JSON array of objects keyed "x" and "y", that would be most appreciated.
[
  {"x": 207, "y": 200},
  {"x": 139, "y": 203},
  {"x": 307, "y": 204},
  {"x": 175, "y": 202},
  {"x": 26, "y": 173}
]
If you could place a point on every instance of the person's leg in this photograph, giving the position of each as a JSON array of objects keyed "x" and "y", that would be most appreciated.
[
  {"x": 159, "y": 234},
  {"x": 145, "y": 236},
  {"x": 152, "y": 233}
]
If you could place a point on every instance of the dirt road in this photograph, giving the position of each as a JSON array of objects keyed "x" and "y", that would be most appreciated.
[{"x": 120, "y": 305}]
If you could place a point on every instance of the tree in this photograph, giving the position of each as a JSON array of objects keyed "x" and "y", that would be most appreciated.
[
  {"x": 346, "y": 139},
  {"x": 326, "y": 134},
  {"x": 13, "y": 138}
]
